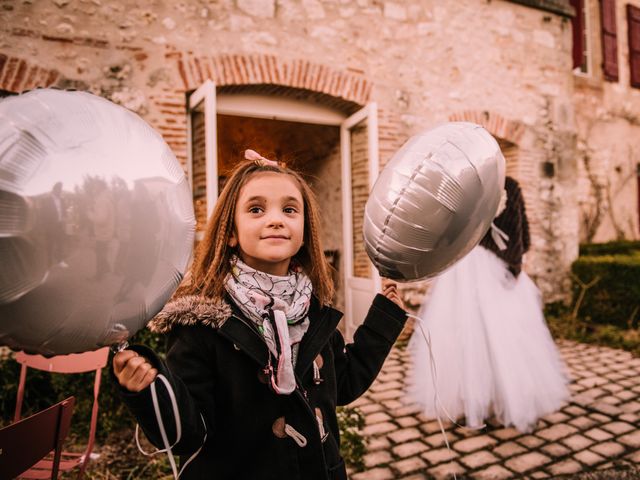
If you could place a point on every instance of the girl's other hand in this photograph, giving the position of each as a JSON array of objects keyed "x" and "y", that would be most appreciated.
[
  {"x": 390, "y": 290},
  {"x": 133, "y": 371}
]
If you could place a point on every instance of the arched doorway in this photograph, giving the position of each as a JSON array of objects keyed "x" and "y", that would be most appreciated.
[{"x": 332, "y": 142}]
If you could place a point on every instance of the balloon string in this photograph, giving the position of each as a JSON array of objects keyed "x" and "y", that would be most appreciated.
[
  {"x": 118, "y": 347},
  {"x": 436, "y": 396},
  {"x": 163, "y": 432}
]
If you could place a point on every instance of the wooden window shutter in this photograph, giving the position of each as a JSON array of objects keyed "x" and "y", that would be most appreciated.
[
  {"x": 577, "y": 24},
  {"x": 638, "y": 178},
  {"x": 633, "y": 19},
  {"x": 609, "y": 40}
]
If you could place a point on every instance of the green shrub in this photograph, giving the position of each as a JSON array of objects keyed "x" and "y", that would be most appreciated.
[
  {"x": 606, "y": 298},
  {"x": 608, "y": 335},
  {"x": 352, "y": 446},
  {"x": 615, "y": 298},
  {"x": 610, "y": 248}
]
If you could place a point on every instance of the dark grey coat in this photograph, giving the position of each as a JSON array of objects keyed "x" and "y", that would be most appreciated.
[{"x": 215, "y": 363}]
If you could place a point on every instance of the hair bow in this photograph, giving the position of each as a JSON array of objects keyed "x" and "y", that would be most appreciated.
[{"x": 259, "y": 159}]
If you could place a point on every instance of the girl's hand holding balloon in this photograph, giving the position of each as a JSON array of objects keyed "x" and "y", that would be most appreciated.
[
  {"x": 390, "y": 290},
  {"x": 133, "y": 371}
]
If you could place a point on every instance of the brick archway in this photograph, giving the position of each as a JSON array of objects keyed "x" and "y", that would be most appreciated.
[
  {"x": 245, "y": 69},
  {"x": 228, "y": 70},
  {"x": 496, "y": 124},
  {"x": 508, "y": 133},
  {"x": 18, "y": 75},
  {"x": 522, "y": 163}
]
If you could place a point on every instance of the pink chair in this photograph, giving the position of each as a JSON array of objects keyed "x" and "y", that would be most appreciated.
[
  {"x": 26, "y": 442},
  {"x": 74, "y": 363}
]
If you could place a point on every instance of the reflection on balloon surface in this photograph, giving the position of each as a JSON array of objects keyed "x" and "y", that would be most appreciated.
[
  {"x": 434, "y": 201},
  {"x": 96, "y": 222}
]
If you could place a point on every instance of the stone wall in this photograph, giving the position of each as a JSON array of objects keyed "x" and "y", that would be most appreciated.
[
  {"x": 504, "y": 64},
  {"x": 608, "y": 149}
]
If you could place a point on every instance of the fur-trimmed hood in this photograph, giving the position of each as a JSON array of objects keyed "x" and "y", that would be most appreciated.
[{"x": 190, "y": 310}]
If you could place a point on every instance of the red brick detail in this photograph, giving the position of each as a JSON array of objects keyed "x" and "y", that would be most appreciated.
[
  {"x": 82, "y": 41},
  {"x": 18, "y": 75},
  {"x": 389, "y": 137},
  {"x": 7, "y": 74},
  {"x": 24, "y": 32},
  {"x": 495, "y": 124},
  {"x": 53, "y": 38},
  {"x": 242, "y": 69},
  {"x": 170, "y": 119}
]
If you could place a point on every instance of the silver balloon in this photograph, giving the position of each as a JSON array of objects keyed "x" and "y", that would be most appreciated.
[
  {"x": 434, "y": 201},
  {"x": 96, "y": 222}
]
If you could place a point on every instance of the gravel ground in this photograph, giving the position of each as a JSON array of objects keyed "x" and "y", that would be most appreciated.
[{"x": 622, "y": 472}]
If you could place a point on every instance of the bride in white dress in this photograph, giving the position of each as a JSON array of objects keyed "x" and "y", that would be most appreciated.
[{"x": 493, "y": 353}]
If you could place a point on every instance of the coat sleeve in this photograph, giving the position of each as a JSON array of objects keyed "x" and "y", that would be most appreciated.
[
  {"x": 357, "y": 364},
  {"x": 188, "y": 369}
]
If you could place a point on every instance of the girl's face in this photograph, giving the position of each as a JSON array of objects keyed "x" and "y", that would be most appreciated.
[{"x": 269, "y": 222}]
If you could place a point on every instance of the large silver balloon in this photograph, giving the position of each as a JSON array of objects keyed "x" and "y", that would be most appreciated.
[
  {"x": 434, "y": 201},
  {"x": 96, "y": 222}
]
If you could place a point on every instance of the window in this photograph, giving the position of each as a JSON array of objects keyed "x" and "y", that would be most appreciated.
[
  {"x": 581, "y": 42},
  {"x": 633, "y": 19}
]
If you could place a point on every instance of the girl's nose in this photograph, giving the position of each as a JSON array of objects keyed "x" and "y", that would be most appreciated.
[{"x": 275, "y": 220}]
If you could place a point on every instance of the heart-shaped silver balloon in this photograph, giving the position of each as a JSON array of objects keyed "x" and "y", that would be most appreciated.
[
  {"x": 96, "y": 222},
  {"x": 434, "y": 201}
]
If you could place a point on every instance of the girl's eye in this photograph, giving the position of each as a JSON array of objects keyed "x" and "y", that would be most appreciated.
[
  {"x": 255, "y": 209},
  {"x": 290, "y": 210}
]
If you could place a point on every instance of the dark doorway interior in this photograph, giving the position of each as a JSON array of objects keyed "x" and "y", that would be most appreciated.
[{"x": 313, "y": 150}]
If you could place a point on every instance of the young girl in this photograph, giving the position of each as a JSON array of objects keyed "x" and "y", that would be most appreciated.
[
  {"x": 255, "y": 361},
  {"x": 491, "y": 349}
]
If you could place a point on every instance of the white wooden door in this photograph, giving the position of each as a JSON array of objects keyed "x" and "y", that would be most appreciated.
[
  {"x": 359, "y": 152},
  {"x": 202, "y": 153}
]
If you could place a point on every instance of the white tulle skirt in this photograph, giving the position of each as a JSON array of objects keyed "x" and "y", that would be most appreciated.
[{"x": 493, "y": 353}]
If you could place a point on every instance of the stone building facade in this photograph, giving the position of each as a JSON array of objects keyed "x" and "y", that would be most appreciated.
[
  {"x": 607, "y": 113},
  {"x": 570, "y": 139}
]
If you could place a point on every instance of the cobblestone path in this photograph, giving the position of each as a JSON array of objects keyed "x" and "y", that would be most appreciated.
[{"x": 600, "y": 425}]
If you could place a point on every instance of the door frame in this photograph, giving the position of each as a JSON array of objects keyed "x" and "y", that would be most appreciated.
[
  {"x": 353, "y": 285},
  {"x": 205, "y": 94},
  {"x": 292, "y": 110}
]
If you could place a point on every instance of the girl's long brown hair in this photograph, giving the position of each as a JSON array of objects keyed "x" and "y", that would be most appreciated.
[{"x": 213, "y": 255}]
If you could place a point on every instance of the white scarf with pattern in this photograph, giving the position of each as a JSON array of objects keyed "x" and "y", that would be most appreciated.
[{"x": 278, "y": 305}]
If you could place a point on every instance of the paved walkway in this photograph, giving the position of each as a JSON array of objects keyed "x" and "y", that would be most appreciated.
[{"x": 601, "y": 424}]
